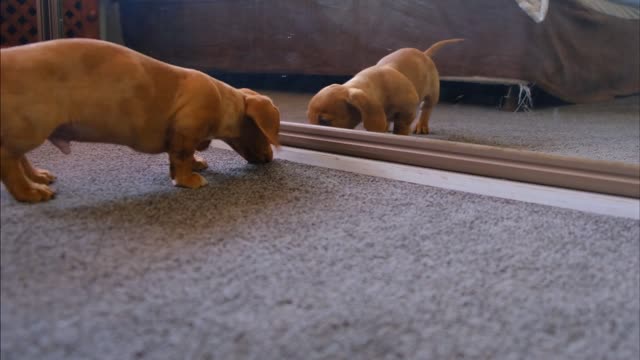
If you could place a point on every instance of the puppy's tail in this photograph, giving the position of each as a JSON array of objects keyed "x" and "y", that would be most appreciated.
[{"x": 435, "y": 47}]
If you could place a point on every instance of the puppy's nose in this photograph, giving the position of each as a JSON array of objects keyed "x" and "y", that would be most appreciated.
[{"x": 262, "y": 158}]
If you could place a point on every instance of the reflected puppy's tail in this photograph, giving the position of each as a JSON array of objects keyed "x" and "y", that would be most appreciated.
[{"x": 435, "y": 47}]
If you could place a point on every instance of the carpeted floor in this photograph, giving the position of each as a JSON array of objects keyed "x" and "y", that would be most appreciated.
[
  {"x": 606, "y": 131},
  {"x": 287, "y": 261}
]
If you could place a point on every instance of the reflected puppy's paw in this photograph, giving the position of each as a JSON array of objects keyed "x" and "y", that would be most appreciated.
[{"x": 421, "y": 129}]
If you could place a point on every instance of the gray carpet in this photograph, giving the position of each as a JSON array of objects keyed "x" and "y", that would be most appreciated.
[
  {"x": 605, "y": 131},
  {"x": 287, "y": 261}
]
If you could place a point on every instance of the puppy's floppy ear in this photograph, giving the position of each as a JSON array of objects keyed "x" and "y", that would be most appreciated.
[
  {"x": 373, "y": 117},
  {"x": 264, "y": 114}
]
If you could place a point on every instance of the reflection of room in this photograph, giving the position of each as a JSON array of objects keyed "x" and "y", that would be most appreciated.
[
  {"x": 518, "y": 55},
  {"x": 601, "y": 131}
]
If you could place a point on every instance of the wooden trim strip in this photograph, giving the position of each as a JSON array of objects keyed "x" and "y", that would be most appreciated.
[
  {"x": 605, "y": 177},
  {"x": 485, "y": 80}
]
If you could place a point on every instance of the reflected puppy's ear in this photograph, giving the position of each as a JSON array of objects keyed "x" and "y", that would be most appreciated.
[
  {"x": 372, "y": 114},
  {"x": 264, "y": 114}
]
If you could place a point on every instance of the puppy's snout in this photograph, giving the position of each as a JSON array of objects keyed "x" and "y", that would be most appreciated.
[
  {"x": 324, "y": 122},
  {"x": 261, "y": 158}
]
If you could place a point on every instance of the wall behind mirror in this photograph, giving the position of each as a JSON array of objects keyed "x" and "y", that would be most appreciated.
[{"x": 558, "y": 77}]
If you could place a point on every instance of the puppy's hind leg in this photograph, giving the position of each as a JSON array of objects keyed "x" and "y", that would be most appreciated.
[
  {"x": 422, "y": 127},
  {"x": 16, "y": 181}
]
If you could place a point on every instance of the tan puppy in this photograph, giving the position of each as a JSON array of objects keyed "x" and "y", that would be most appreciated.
[
  {"x": 389, "y": 91},
  {"x": 96, "y": 91}
]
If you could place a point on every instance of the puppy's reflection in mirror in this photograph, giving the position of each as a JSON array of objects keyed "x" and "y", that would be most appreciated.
[{"x": 391, "y": 91}]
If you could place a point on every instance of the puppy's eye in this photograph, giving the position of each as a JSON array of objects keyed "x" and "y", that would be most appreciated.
[{"x": 324, "y": 122}]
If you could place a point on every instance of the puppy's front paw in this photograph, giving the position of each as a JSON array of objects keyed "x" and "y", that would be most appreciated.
[
  {"x": 191, "y": 181},
  {"x": 421, "y": 129},
  {"x": 199, "y": 163},
  {"x": 41, "y": 176},
  {"x": 35, "y": 193}
]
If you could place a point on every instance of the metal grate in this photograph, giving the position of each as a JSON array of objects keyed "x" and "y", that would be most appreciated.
[
  {"x": 18, "y": 22},
  {"x": 80, "y": 18}
]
